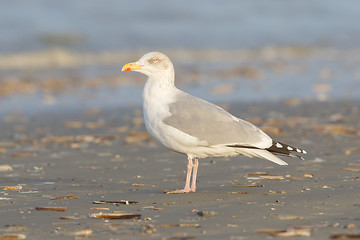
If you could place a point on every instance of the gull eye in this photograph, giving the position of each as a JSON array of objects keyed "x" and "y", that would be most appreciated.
[{"x": 154, "y": 60}]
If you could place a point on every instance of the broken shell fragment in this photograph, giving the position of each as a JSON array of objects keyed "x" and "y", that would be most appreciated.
[
  {"x": 207, "y": 213},
  {"x": 115, "y": 215},
  {"x": 60, "y": 209},
  {"x": 126, "y": 202}
]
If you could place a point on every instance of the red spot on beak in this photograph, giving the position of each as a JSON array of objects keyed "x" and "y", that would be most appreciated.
[{"x": 127, "y": 69}]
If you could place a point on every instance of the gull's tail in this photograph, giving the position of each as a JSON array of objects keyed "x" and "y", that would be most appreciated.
[{"x": 276, "y": 148}]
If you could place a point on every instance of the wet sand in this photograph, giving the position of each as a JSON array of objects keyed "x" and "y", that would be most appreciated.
[{"x": 73, "y": 158}]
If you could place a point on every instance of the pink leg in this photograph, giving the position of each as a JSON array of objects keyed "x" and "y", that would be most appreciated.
[
  {"x": 194, "y": 174},
  {"x": 188, "y": 176}
]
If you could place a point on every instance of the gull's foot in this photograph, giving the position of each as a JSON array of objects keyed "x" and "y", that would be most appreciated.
[{"x": 177, "y": 191}]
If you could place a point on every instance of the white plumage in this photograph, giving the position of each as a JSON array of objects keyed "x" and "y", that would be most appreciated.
[{"x": 193, "y": 126}]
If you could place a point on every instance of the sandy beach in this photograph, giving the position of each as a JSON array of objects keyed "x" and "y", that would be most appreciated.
[{"x": 73, "y": 159}]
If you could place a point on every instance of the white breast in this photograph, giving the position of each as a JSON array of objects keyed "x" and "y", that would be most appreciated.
[{"x": 156, "y": 109}]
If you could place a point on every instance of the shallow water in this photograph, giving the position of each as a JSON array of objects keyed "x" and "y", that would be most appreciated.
[
  {"x": 110, "y": 24},
  {"x": 94, "y": 39}
]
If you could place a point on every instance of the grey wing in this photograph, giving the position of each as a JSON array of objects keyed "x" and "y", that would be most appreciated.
[{"x": 210, "y": 123}]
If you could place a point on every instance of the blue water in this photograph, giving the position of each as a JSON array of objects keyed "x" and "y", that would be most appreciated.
[
  {"x": 158, "y": 24},
  {"x": 92, "y": 26}
]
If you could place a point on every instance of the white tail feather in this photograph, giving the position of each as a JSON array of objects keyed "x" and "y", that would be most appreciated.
[{"x": 264, "y": 154}]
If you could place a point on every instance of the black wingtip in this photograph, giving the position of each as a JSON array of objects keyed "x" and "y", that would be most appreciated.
[{"x": 285, "y": 149}]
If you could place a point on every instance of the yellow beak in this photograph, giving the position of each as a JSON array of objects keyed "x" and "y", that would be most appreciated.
[{"x": 131, "y": 67}]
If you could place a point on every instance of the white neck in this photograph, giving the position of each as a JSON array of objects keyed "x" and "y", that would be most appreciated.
[
  {"x": 159, "y": 87},
  {"x": 163, "y": 80}
]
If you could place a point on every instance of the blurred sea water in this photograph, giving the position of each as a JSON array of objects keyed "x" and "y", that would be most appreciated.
[
  {"x": 91, "y": 25},
  {"x": 204, "y": 38}
]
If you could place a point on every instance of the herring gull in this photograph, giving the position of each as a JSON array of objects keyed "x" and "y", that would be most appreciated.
[{"x": 195, "y": 127}]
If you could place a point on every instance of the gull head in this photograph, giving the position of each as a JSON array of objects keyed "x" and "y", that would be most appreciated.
[{"x": 151, "y": 64}]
